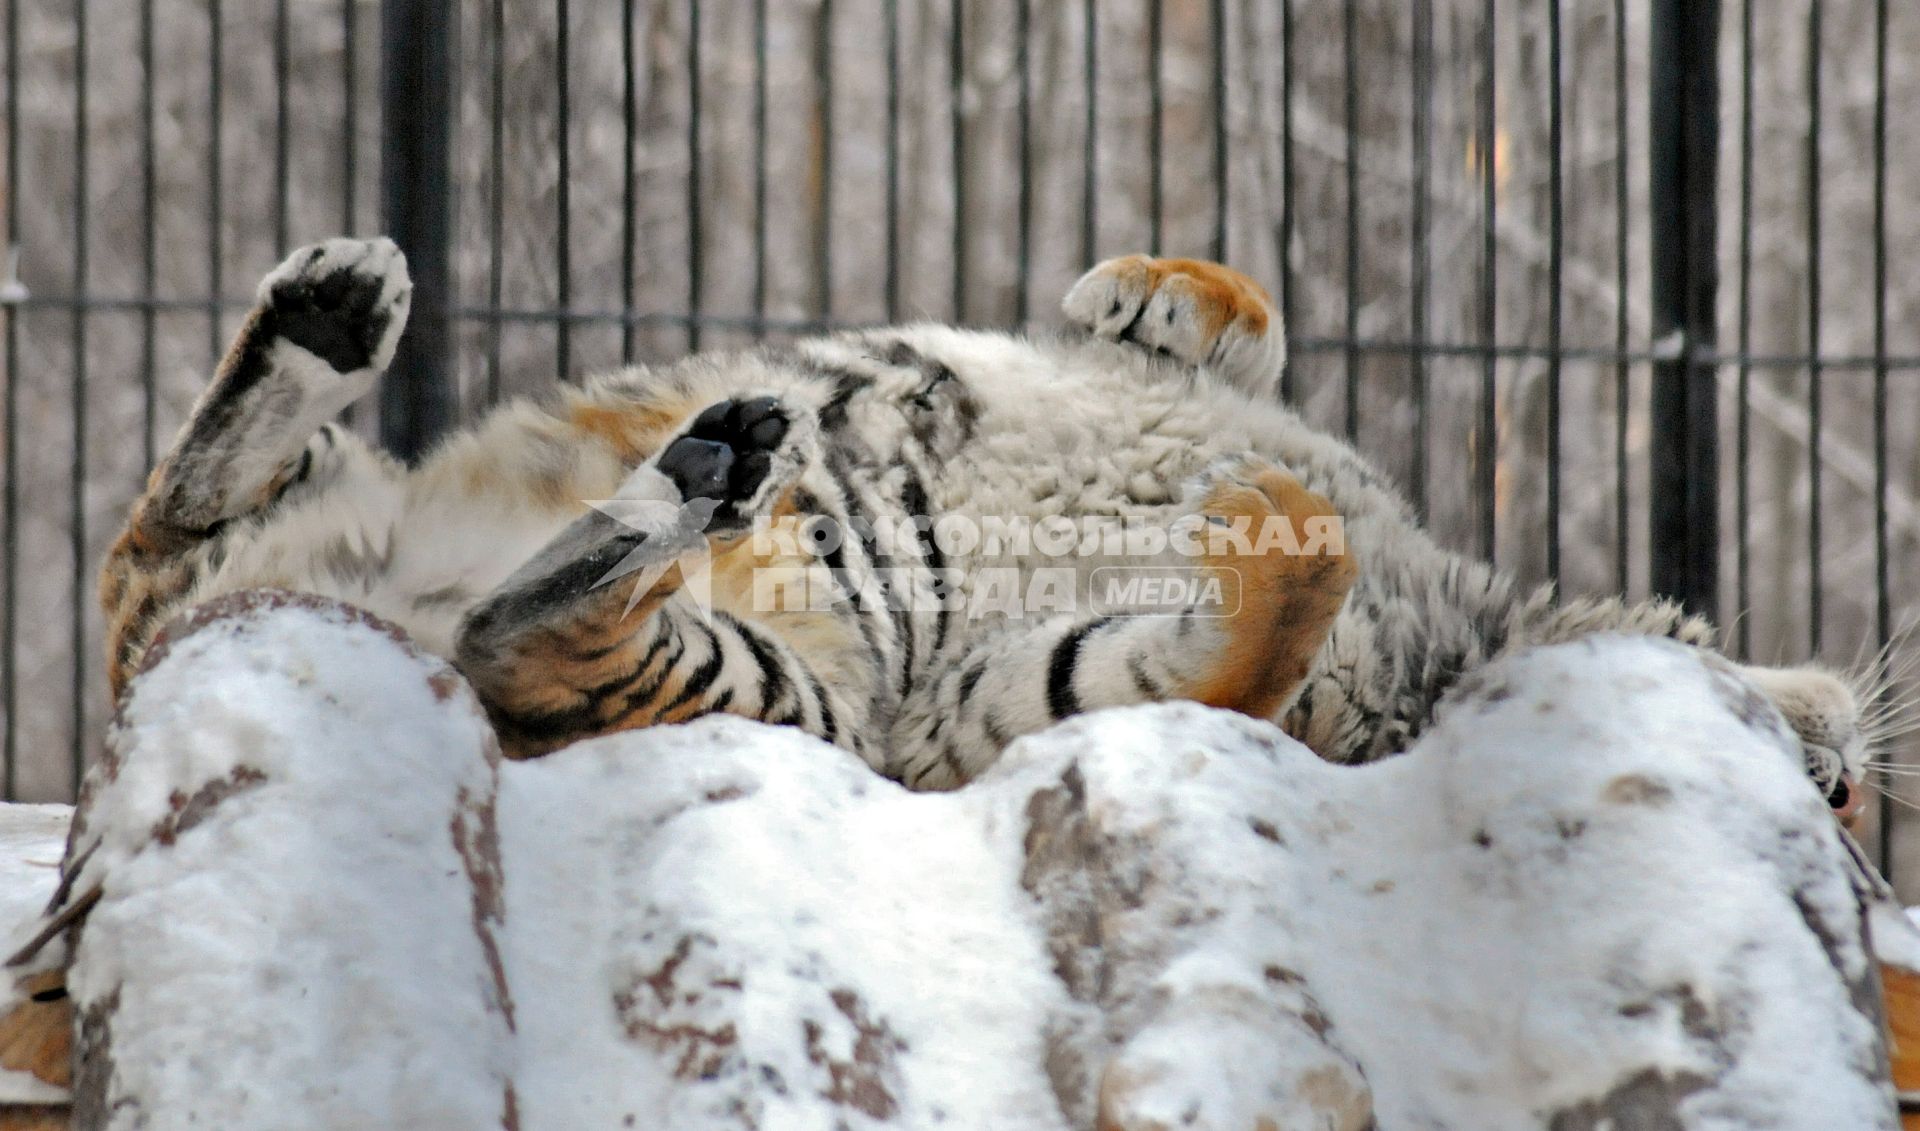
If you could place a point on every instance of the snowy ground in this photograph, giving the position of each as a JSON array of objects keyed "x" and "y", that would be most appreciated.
[{"x": 1600, "y": 890}]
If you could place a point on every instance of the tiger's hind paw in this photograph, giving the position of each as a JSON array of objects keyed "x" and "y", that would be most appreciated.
[
  {"x": 1202, "y": 313},
  {"x": 744, "y": 454},
  {"x": 323, "y": 328},
  {"x": 344, "y": 301}
]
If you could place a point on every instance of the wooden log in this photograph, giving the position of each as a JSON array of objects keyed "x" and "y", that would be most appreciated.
[
  {"x": 36, "y": 1036},
  {"x": 1900, "y": 996},
  {"x": 34, "y": 1117}
]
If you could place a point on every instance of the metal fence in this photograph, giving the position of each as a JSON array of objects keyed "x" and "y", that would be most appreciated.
[{"x": 1495, "y": 226}]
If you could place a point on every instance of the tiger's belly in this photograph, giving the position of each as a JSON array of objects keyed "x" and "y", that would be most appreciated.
[
  {"x": 1097, "y": 443},
  {"x": 419, "y": 567}
]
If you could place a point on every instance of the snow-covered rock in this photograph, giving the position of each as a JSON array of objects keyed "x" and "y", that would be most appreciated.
[{"x": 1599, "y": 894}]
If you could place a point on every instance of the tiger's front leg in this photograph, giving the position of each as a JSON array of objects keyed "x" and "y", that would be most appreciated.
[
  {"x": 323, "y": 328},
  {"x": 596, "y": 633}
]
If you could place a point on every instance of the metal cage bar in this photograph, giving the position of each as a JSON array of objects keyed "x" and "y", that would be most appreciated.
[
  {"x": 1882, "y": 544},
  {"x": 1816, "y": 399},
  {"x": 1350, "y": 109},
  {"x": 77, "y": 464},
  {"x": 1420, "y": 271},
  {"x": 696, "y": 227},
  {"x": 10, "y": 595},
  {"x": 1743, "y": 422},
  {"x": 417, "y": 105},
  {"x": 1556, "y": 271},
  {"x": 1622, "y": 368},
  {"x": 1683, "y": 145},
  {"x": 563, "y": 185},
  {"x": 1487, "y": 445}
]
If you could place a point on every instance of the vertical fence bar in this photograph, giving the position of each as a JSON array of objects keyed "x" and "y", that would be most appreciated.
[
  {"x": 629, "y": 169},
  {"x": 349, "y": 115},
  {"x": 349, "y": 137},
  {"x": 350, "y": 140},
  {"x": 497, "y": 204},
  {"x": 1622, "y": 369},
  {"x": 1421, "y": 270},
  {"x": 1023, "y": 219},
  {"x": 696, "y": 280},
  {"x": 77, "y": 481},
  {"x": 216, "y": 204},
  {"x": 823, "y": 117},
  {"x": 893, "y": 161},
  {"x": 1156, "y": 114},
  {"x": 1090, "y": 141},
  {"x": 416, "y": 199},
  {"x": 1882, "y": 589},
  {"x": 1815, "y": 370},
  {"x": 9, "y": 769},
  {"x": 1683, "y": 144},
  {"x": 1221, "y": 197},
  {"x": 1350, "y": 107},
  {"x": 760, "y": 168},
  {"x": 282, "y": 157},
  {"x": 563, "y": 188},
  {"x": 1743, "y": 420},
  {"x": 956, "y": 83},
  {"x": 149, "y": 257},
  {"x": 1488, "y": 448},
  {"x": 1285, "y": 237},
  {"x": 1556, "y": 254}
]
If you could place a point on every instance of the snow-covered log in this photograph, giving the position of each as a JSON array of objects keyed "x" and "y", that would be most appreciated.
[{"x": 1599, "y": 894}]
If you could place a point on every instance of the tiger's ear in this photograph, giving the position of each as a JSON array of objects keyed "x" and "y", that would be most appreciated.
[{"x": 36, "y": 1035}]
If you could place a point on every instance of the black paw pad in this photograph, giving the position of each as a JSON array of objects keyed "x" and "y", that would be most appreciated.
[
  {"x": 727, "y": 452},
  {"x": 338, "y": 317}
]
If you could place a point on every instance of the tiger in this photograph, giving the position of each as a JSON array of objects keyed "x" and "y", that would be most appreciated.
[{"x": 508, "y": 549}]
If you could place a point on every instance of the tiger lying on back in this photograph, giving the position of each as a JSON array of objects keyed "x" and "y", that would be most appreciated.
[{"x": 1157, "y": 407}]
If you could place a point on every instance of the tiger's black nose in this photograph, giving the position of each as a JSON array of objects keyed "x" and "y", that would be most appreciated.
[{"x": 1847, "y": 799}]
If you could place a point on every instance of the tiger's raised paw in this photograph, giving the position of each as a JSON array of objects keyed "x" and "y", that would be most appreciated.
[
  {"x": 743, "y": 454},
  {"x": 1201, "y": 313},
  {"x": 344, "y": 301}
]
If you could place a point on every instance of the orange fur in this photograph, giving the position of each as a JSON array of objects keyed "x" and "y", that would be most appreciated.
[
  {"x": 36, "y": 1036},
  {"x": 633, "y": 431},
  {"x": 1288, "y": 601},
  {"x": 1222, "y": 294}
]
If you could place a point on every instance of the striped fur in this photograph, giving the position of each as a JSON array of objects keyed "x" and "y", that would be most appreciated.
[{"x": 1156, "y": 408}]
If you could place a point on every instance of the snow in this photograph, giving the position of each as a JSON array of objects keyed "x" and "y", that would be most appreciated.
[
  {"x": 1600, "y": 888},
  {"x": 1896, "y": 934},
  {"x": 1525, "y": 912},
  {"x": 302, "y": 954},
  {"x": 32, "y": 840},
  {"x": 694, "y": 902}
]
